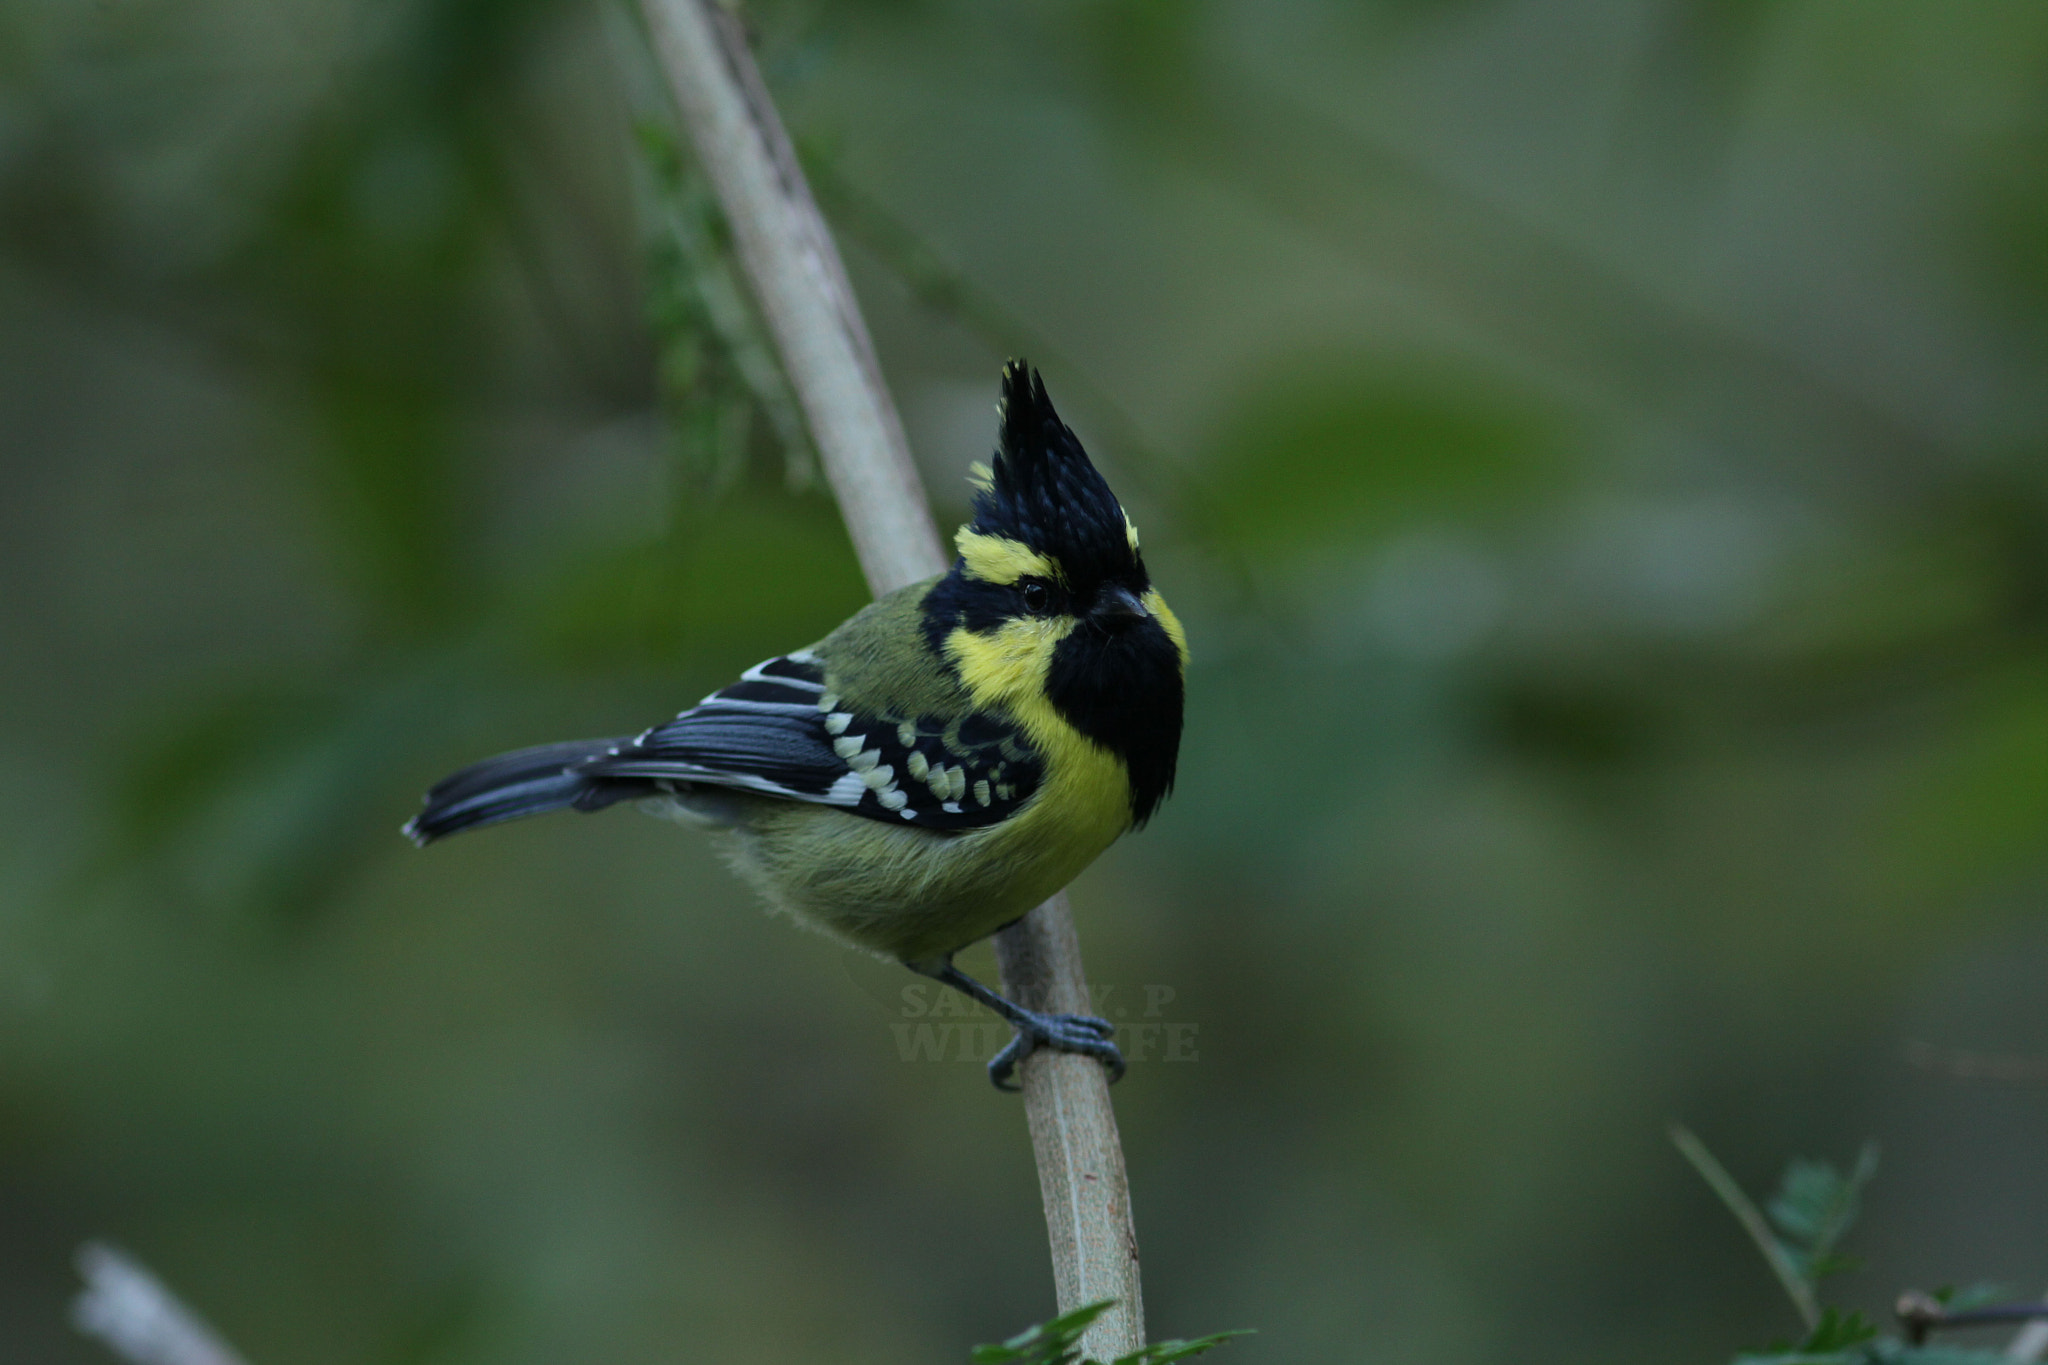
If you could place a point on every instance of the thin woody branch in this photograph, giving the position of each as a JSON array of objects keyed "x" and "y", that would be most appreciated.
[{"x": 797, "y": 276}]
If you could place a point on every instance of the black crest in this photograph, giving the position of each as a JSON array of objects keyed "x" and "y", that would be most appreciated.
[{"x": 1045, "y": 492}]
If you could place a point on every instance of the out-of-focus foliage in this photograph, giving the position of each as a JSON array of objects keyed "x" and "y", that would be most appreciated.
[
  {"x": 1058, "y": 1342},
  {"x": 1814, "y": 1208},
  {"x": 1600, "y": 451}
]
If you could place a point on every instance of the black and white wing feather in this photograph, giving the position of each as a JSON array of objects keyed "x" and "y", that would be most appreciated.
[
  {"x": 779, "y": 731},
  {"x": 765, "y": 733}
]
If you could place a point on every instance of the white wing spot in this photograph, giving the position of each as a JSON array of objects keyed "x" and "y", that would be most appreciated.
[
  {"x": 918, "y": 765},
  {"x": 846, "y": 746},
  {"x": 864, "y": 760},
  {"x": 836, "y": 723},
  {"x": 906, "y": 734},
  {"x": 894, "y": 800},
  {"x": 981, "y": 791},
  {"x": 878, "y": 778},
  {"x": 758, "y": 674}
]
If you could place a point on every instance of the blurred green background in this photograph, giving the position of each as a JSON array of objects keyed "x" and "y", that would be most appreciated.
[{"x": 1597, "y": 447}]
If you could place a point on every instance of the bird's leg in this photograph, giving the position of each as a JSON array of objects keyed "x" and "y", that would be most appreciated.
[{"x": 1082, "y": 1033}]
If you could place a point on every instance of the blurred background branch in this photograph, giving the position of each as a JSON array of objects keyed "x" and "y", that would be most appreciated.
[
  {"x": 2030, "y": 1342},
  {"x": 128, "y": 1309}
]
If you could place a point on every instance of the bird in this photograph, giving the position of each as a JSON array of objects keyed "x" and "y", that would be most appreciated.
[{"x": 947, "y": 758}]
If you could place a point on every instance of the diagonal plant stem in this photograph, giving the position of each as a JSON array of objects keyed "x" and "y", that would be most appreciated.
[
  {"x": 1752, "y": 1220},
  {"x": 796, "y": 274}
]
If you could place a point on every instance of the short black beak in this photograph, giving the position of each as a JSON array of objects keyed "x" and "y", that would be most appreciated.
[{"x": 1118, "y": 606}]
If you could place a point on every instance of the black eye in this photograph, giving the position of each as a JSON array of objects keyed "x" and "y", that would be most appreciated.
[{"x": 1037, "y": 598}]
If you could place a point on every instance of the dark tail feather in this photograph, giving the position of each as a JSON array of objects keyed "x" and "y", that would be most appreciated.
[{"x": 524, "y": 782}]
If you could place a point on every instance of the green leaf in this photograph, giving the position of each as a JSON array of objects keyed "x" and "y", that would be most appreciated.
[
  {"x": 1835, "y": 1332},
  {"x": 1166, "y": 1352},
  {"x": 1049, "y": 1343},
  {"x": 1058, "y": 1343},
  {"x": 1815, "y": 1205}
]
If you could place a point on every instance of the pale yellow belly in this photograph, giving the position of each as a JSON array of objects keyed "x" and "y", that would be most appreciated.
[{"x": 906, "y": 893}]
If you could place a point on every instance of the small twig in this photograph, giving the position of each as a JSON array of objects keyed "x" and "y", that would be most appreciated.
[
  {"x": 1752, "y": 1220},
  {"x": 130, "y": 1310},
  {"x": 1920, "y": 1314},
  {"x": 811, "y": 311}
]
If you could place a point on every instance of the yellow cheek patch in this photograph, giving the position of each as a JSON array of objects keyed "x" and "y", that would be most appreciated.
[
  {"x": 999, "y": 559},
  {"x": 1007, "y": 666},
  {"x": 1131, "y": 532},
  {"x": 1156, "y": 604}
]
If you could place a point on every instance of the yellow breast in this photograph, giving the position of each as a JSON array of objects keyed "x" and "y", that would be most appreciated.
[{"x": 1085, "y": 799}]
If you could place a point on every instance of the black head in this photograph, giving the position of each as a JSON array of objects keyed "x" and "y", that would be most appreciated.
[
  {"x": 1051, "y": 558},
  {"x": 1044, "y": 492}
]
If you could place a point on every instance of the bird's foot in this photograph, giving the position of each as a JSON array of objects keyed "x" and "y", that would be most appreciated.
[
  {"x": 1078, "y": 1033},
  {"x": 1081, "y": 1033}
]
